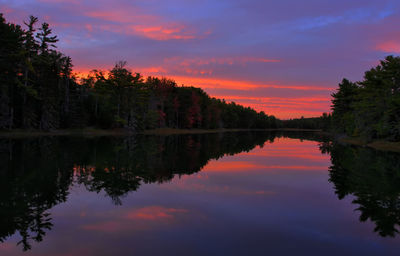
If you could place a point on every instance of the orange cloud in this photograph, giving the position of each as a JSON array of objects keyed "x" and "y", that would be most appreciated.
[
  {"x": 237, "y": 166},
  {"x": 151, "y": 70},
  {"x": 294, "y": 110},
  {"x": 234, "y": 166},
  {"x": 283, "y": 107},
  {"x": 216, "y": 83},
  {"x": 145, "y": 71},
  {"x": 290, "y": 148},
  {"x": 84, "y": 73}
]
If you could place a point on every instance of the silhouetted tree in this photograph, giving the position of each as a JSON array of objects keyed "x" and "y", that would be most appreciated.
[{"x": 370, "y": 108}]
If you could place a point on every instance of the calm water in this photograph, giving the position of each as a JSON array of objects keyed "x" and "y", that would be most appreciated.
[{"x": 226, "y": 194}]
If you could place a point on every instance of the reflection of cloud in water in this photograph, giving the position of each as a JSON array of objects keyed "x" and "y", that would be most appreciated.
[
  {"x": 154, "y": 213},
  {"x": 136, "y": 219},
  {"x": 238, "y": 166}
]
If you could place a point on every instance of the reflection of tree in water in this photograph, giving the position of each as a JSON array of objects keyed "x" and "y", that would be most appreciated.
[
  {"x": 36, "y": 173},
  {"x": 33, "y": 178},
  {"x": 373, "y": 177}
]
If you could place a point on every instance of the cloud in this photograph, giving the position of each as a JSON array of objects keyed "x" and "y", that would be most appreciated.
[
  {"x": 240, "y": 85},
  {"x": 133, "y": 21},
  {"x": 163, "y": 32},
  {"x": 237, "y": 166},
  {"x": 154, "y": 213},
  {"x": 389, "y": 47},
  {"x": 144, "y": 218}
]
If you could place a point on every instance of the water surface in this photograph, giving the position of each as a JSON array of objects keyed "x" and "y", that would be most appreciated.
[{"x": 212, "y": 194}]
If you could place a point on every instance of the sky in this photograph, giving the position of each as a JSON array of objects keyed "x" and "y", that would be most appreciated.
[{"x": 284, "y": 57}]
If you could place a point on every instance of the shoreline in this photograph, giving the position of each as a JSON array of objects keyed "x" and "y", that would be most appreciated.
[
  {"x": 380, "y": 145},
  {"x": 172, "y": 131},
  {"x": 125, "y": 132}
]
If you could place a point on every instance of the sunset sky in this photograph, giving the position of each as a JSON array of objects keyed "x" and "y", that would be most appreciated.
[{"x": 284, "y": 57}]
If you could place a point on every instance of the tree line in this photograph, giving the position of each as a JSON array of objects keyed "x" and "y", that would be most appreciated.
[
  {"x": 39, "y": 91},
  {"x": 370, "y": 108},
  {"x": 322, "y": 122}
]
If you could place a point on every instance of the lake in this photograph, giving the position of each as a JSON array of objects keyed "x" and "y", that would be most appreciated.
[{"x": 247, "y": 193}]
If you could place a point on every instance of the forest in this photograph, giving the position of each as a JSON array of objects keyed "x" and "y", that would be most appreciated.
[
  {"x": 38, "y": 91},
  {"x": 370, "y": 109}
]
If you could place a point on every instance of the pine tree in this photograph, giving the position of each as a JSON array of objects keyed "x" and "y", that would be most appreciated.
[
  {"x": 11, "y": 51},
  {"x": 343, "y": 106}
]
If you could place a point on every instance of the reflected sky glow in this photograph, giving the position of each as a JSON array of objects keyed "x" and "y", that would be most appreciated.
[{"x": 275, "y": 199}]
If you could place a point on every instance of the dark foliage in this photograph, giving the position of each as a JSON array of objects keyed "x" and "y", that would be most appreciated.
[
  {"x": 313, "y": 123},
  {"x": 370, "y": 108}
]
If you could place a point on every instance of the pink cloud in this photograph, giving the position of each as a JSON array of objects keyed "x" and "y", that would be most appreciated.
[
  {"x": 154, "y": 213},
  {"x": 389, "y": 46},
  {"x": 134, "y": 22},
  {"x": 89, "y": 27},
  {"x": 137, "y": 219},
  {"x": 163, "y": 32}
]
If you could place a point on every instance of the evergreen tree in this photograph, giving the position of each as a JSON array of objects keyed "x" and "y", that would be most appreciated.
[{"x": 343, "y": 107}]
